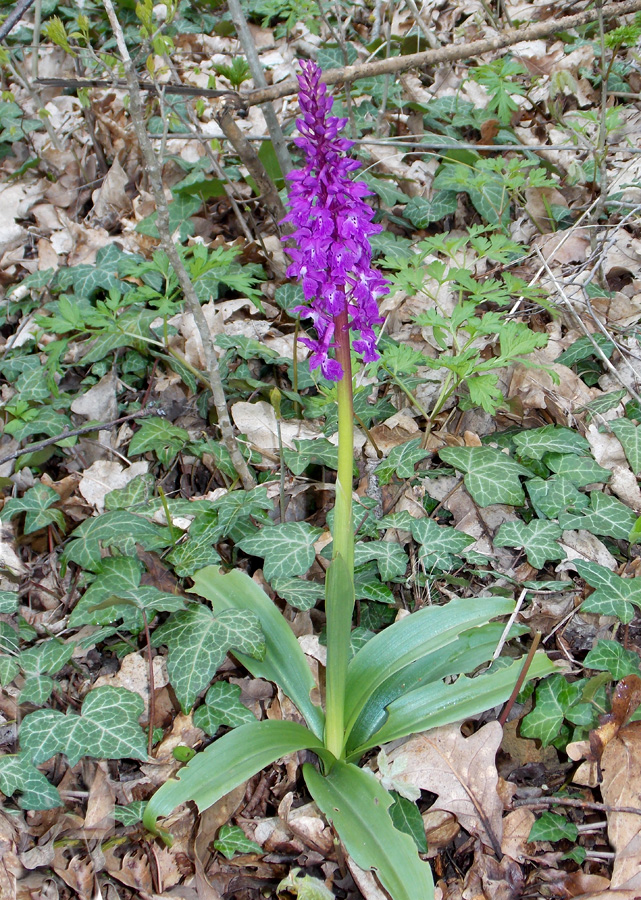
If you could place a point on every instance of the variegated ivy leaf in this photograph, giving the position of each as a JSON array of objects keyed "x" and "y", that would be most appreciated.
[
  {"x": 8, "y": 601},
  {"x": 305, "y": 887},
  {"x": 232, "y": 841},
  {"x": 287, "y": 549},
  {"x": 135, "y": 494},
  {"x": 319, "y": 452},
  {"x": 130, "y": 814},
  {"x": 197, "y": 551},
  {"x": 299, "y": 593},
  {"x": 402, "y": 461},
  {"x": 607, "y": 517},
  {"x": 198, "y": 642},
  {"x": 116, "y": 593},
  {"x": 48, "y": 657},
  {"x": 9, "y": 668},
  {"x": 107, "y": 728},
  {"x": 554, "y": 495},
  {"x": 540, "y": 540},
  {"x": 9, "y": 638},
  {"x": 603, "y": 404},
  {"x": 17, "y": 773},
  {"x": 580, "y": 470},
  {"x": 629, "y": 435},
  {"x": 613, "y": 595},
  {"x": 36, "y": 503},
  {"x": 37, "y": 689},
  {"x": 422, "y": 212},
  {"x": 390, "y": 557},
  {"x": 536, "y": 442},
  {"x": 160, "y": 436},
  {"x": 554, "y": 697},
  {"x": 490, "y": 475},
  {"x": 222, "y": 706},
  {"x": 32, "y": 383},
  {"x": 440, "y": 545},
  {"x": 610, "y": 656},
  {"x": 118, "y": 528}
]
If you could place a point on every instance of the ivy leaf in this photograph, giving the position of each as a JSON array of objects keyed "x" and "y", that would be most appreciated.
[
  {"x": 440, "y": 544},
  {"x": 584, "y": 348},
  {"x": 406, "y": 817},
  {"x": 287, "y": 549},
  {"x": 118, "y": 528},
  {"x": 198, "y": 642},
  {"x": 222, "y": 707},
  {"x": 610, "y": 656},
  {"x": 552, "y": 827},
  {"x": 36, "y": 690},
  {"x": 8, "y": 601},
  {"x": 137, "y": 493},
  {"x": 107, "y": 728},
  {"x": 32, "y": 384},
  {"x": 580, "y": 470},
  {"x": 299, "y": 593},
  {"x": 130, "y": 814},
  {"x": 9, "y": 668},
  {"x": 197, "y": 551},
  {"x": 630, "y": 437},
  {"x": 390, "y": 557},
  {"x": 288, "y": 296},
  {"x": 606, "y": 517},
  {"x": 160, "y": 436},
  {"x": 603, "y": 404},
  {"x": 17, "y": 773},
  {"x": 402, "y": 461},
  {"x": 490, "y": 475},
  {"x": 305, "y": 887},
  {"x": 48, "y": 657},
  {"x": 540, "y": 540},
  {"x": 422, "y": 212},
  {"x": 35, "y": 503},
  {"x": 554, "y": 697},
  {"x": 554, "y": 495},
  {"x": 613, "y": 595},
  {"x": 535, "y": 442},
  {"x": 232, "y": 841},
  {"x": 319, "y": 451}
]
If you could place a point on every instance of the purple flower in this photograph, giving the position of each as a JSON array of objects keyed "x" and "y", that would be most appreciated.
[{"x": 332, "y": 257}]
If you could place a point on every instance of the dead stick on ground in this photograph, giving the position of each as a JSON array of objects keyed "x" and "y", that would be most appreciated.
[
  {"x": 162, "y": 223},
  {"x": 448, "y": 53}
]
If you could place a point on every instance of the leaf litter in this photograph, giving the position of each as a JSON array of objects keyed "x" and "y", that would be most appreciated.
[{"x": 78, "y": 224}]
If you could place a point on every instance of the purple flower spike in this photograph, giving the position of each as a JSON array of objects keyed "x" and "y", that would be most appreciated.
[{"x": 332, "y": 225}]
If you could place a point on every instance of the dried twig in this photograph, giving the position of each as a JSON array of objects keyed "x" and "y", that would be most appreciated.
[
  {"x": 162, "y": 223},
  {"x": 577, "y": 804},
  {"x": 84, "y": 429},
  {"x": 14, "y": 17},
  {"x": 448, "y": 53}
]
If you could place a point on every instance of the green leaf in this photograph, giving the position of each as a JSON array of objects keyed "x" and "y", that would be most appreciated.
[
  {"x": 119, "y": 529},
  {"x": 319, "y": 452},
  {"x": 196, "y": 552},
  {"x": 357, "y": 805},
  {"x": 35, "y": 503},
  {"x": 198, "y": 642},
  {"x": 107, "y": 728},
  {"x": 287, "y": 549},
  {"x": 584, "y": 348},
  {"x": 8, "y": 601},
  {"x": 222, "y": 707},
  {"x": 535, "y": 442},
  {"x": 161, "y": 437},
  {"x": 390, "y": 557},
  {"x": 555, "y": 495},
  {"x": 439, "y": 704},
  {"x": 490, "y": 475},
  {"x": 17, "y": 773},
  {"x": 422, "y": 212},
  {"x": 610, "y": 656},
  {"x": 289, "y": 295},
  {"x": 407, "y": 818},
  {"x": 305, "y": 887},
  {"x": 228, "y": 762},
  {"x": 37, "y": 689},
  {"x": 607, "y": 516},
  {"x": 603, "y": 404},
  {"x": 48, "y": 657},
  {"x": 9, "y": 668},
  {"x": 232, "y": 841},
  {"x": 580, "y": 470},
  {"x": 539, "y": 539},
  {"x": 137, "y": 493},
  {"x": 299, "y": 593},
  {"x": 284, "y": 662},
  {"x": 386, "y": 190},
  {"x": 552, "y": 827},
  {"x": 402, "y": 461},
  {"x": 131, "y": 814},
  {"x": 32, "y": 384},
  {"x": 440, "y": 545},
  {"x": 409, "y": 639},
  {"x": 554, "y": 697},
  {"x": 630, "y": 437},
  {"x": 613, "y": 595}
]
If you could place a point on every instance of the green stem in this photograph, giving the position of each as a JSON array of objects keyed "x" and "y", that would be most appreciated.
[{"x": 339, "y": 594}]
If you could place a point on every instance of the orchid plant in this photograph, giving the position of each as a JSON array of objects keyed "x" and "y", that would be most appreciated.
[{"x": 394, "y": 685}]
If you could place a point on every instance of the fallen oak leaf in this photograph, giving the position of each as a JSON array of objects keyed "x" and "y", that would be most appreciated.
[
  {"x": 462, "y": 772},
  {"x": 621, "y": 787}
]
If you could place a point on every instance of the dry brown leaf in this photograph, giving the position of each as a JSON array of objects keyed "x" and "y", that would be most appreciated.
[
  {"x": 621, "y": 786},
  {"x": 104, "y": 476},
  {"x": 516, "y": 830},
  {"x": 462, "y": 771}
]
